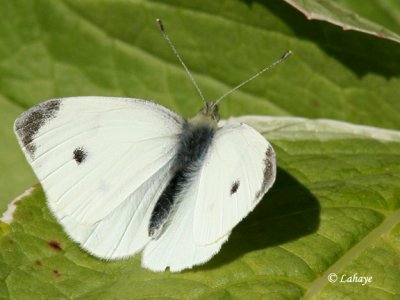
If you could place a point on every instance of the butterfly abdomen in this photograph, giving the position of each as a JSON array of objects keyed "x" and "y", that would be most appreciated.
[{"x": 194, "y": 143}]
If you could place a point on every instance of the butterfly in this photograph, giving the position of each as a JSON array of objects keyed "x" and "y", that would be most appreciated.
[{"x": 124, "y": 175}]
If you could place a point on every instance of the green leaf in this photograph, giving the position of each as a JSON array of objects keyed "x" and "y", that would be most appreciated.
[
  {"x": 386, "y": 13},
  {"x": 113, "y": 48},
  {"x": 335, "y": 12},
  {"x": 335, "y": 208}
]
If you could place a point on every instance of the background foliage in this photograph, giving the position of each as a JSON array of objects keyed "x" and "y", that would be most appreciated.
[{"x": 336, "y": 190}]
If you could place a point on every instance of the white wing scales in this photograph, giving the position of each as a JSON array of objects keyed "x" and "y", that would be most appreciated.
[
  {"x": 125, "y": 231},
  {"x": 176, "y": 247},
  {"x": 237, "y": 171},
  {"x": 102, "y": 163}
]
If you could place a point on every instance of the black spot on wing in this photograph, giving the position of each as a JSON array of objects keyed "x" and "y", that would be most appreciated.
[
  {"x": 235, "y": 187},
  {"x": 29, "y": 123},
  {"x": 80, "y": 155},
  {"x": 268, "y": 171}
]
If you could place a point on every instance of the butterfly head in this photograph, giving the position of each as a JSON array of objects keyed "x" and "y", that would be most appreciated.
[{"x": 208, "y": 115}]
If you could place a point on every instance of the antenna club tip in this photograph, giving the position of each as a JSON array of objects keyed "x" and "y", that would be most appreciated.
[
  {"x": 160, "y": 24},
  {"x": 287, "y": 54}
]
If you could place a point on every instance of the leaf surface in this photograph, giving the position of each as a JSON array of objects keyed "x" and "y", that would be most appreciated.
[
  {"x": 371, "y": 17},
  {"x": 335, "y": 208},
  {"x": 52, "y": 49}
]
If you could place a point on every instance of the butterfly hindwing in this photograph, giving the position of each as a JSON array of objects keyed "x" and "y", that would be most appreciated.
[{"x": 176, "y": 247}]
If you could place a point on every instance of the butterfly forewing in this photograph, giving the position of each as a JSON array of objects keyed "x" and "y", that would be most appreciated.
[
  {"x": 237, "y": 171},
  {"x": 102, "y": 162},
  {"x": 232, "y": 177}
]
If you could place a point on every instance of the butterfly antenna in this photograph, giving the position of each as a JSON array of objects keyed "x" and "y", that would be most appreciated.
[
  {"x": 283, "y": 57},
  {"x": 164, "y": 32}
]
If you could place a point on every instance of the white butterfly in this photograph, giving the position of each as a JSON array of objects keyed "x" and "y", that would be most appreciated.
[{"x": 126, "y": 175}]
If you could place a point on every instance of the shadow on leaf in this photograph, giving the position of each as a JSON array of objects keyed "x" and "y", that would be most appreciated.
[{"x": 287, "y": 212}]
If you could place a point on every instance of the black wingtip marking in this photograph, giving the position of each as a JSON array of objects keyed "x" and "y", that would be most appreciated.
[
  {"x": 235, "y": 187},
  {"x": 268, "y": 171},
  {"x": 80, "y": 155},
  {"x": 27, "y": 125}
]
